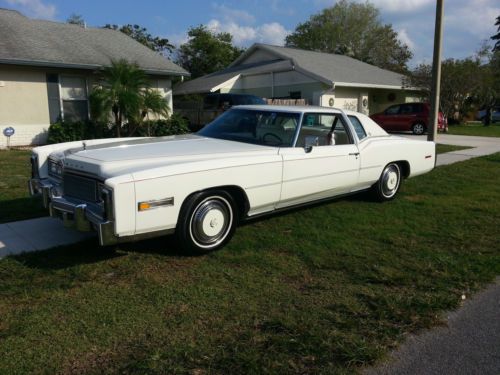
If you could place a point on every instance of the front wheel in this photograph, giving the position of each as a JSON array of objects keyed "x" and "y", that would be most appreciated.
[
  {"x": 388, "y": 184},
  {"x": 207, "y": 222}
]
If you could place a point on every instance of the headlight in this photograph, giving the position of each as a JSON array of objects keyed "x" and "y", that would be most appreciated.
[{"x": 55, "y": 168}]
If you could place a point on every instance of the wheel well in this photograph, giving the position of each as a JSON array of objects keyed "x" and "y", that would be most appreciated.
[
  {"x": 236, "y": 192},
  {"x": 405, "y": 167}
]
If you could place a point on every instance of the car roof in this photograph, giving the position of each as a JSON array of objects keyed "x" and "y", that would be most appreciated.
[{"x": 295, "y": 108}]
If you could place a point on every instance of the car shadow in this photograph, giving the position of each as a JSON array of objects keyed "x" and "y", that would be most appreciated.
[{"x": 90, "y": 252}]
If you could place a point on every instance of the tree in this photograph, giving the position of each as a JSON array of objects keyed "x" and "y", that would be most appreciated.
[
  {"x": 206, "y": 51},
  {"x": 352, "y": 29},
  {"x": 496, "y": 47},
  {"x": 141, "y": 34},
  {"x": 153, "y": 102},
  {"x": 463, "y": 82},
  {"x": 119, "y": 93},
  {"x": 76, "y": 19},
  {"x": 124, "y": 92}
]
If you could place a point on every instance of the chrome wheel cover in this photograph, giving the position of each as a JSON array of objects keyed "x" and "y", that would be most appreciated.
[
  {"x": 390, "y": 180},
  {"x": 211, "y": 222}
]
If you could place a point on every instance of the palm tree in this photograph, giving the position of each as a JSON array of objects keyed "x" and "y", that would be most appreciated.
[
  {"x": 153, "y": 102},
  {"x": 119, "y": 93}
]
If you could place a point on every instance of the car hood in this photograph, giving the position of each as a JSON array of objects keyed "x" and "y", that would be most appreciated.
[{"x": 126, "y": 157}]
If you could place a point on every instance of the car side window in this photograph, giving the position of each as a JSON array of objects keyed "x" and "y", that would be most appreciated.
[
  {"x": 406, "y": 109},
  {"x": 358, "y": 127},
  {"x": 322, "y": 129},
  {"x": 394, "y": 110}
]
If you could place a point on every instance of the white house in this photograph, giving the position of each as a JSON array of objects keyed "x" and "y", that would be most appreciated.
[{"x": 319, "y": 78}]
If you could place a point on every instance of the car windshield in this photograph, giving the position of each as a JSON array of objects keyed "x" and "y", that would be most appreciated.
[{"x": 270, "y": 128}]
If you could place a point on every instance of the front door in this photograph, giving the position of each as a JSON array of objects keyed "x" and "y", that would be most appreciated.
[{"x": 324, "y": 163}]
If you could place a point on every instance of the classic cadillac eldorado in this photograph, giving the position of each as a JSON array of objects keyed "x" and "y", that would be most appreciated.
[{"x": 252, "y": 160}]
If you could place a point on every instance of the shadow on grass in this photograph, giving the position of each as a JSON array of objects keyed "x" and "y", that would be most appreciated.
[
  {"x": 21, "y": 209},
  {"x": 89, "y": 251}
]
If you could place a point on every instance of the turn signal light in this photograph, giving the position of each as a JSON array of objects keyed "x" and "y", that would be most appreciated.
[{"x": 143, "y": 206}]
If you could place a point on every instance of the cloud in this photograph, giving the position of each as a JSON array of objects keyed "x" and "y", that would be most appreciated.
[
  {"x": 272, "y": 33},
  {"x": 35, "y": 8},
  {"x": 233, "y": 15},
  {"x": 405, "y": 38},
  {"x": 401, "y": 5}
]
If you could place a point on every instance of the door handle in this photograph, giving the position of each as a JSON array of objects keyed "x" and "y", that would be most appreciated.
[{"x": 354, "y": 153}]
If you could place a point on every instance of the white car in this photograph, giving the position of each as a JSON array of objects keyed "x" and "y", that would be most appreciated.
[{"x": 252, "y": 160}]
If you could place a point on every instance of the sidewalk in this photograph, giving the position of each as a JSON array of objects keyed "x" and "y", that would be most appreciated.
[
  {"x": 44, "y": 233},
  {"x": 36, "y": 234}
]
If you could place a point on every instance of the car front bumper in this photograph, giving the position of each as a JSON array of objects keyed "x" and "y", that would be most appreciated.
[{"x": 74, "y": 214}]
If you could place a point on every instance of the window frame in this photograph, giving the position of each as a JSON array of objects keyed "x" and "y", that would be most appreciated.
[
  {"x": 339, "y": 116},
  {"x": 86, "y": 89}
]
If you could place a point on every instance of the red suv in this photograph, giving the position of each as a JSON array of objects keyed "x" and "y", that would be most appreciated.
[{"x": 408, "y": 116}]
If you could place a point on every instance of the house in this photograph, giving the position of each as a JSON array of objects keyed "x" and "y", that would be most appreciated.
[
  {"x": 48, "y": 68},
  {"x": 320, "y": 78}
]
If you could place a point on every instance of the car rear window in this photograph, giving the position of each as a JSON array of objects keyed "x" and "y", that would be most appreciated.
[{"x": 358, "y": 127}]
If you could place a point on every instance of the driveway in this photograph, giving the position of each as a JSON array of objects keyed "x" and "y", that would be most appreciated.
[{"x": 481, "y": 146}]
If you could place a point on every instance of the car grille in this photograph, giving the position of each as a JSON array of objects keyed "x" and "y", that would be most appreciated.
[{"x": 79, "y": 187}]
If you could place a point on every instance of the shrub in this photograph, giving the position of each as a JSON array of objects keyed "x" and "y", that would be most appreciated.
[
  {"x": 173, "y": 126},
  {"x": 63, "y": 131}
]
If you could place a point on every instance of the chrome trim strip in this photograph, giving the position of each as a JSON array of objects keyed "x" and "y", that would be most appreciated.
[{"x": 321, "y": 175}]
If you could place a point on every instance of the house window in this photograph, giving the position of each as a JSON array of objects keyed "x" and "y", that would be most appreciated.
[{"x": 74, "y": 98}]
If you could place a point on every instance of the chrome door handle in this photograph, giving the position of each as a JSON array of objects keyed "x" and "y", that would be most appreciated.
[{"x": 354, "y": 153}]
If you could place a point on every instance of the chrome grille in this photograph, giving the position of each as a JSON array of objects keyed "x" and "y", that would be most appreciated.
[{"x": 79, "y": 187}]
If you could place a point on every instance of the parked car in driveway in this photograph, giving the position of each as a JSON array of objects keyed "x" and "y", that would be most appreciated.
[
  {"x": 199, "y": 113},
  {"x": 412, "y": 117},
  {"x": 250, "y": 161},
  {"x": 495, "y": 114}
]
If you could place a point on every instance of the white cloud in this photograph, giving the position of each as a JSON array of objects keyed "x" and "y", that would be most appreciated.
[
  {"x": 401, "y": 5},
  {"x": 233, "y": 15},
  {"x": 405, "y": 38},
  {"x": 35, "y": 8},
  {"x": 272, "y": 33}
]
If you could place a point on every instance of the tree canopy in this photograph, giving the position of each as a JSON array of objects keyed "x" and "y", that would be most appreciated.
[
  {"x": 76, "y": 19},
  {"x": 496, "y": 37},
  {"x": 207, "y": 51},
  {"x": 352, "y": 29},
  {"x": 141, "y": 34}
]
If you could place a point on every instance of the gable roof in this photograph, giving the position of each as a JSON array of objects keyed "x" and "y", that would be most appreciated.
[
  {"x": 32, "y": 42},
  {"x": 211, "y": 82},
  {"x": 331, "y": 68}
]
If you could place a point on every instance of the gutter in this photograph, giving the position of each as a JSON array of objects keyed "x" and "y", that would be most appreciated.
[{"x": 52, "y": 64}]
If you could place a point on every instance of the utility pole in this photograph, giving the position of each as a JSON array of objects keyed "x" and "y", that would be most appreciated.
[{"x": 436, "y": 72}]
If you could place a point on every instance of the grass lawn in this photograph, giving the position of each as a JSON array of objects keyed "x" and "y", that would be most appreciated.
[
  {"x": 15, "y": 202},
  {"x": 325, "y": 289},
  {"x": 441, "y": 148},
  {"x": 476, "y": 130}
]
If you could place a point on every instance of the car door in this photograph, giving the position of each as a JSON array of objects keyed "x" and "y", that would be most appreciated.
[
  {"x": 406, "y": 117},
  {"x": 324, "y": 162},
  {"x": 389, "y": 118}
]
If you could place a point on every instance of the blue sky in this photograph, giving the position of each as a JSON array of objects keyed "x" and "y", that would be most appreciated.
[{"x": 467, "y": 22}]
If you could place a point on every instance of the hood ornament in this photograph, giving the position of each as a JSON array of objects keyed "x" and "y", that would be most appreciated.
[{"x": 84, "y": 146}]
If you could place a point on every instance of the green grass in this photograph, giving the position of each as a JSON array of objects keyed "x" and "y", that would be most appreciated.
[
  {"x": 15, "y": 202},
  {"x": 325, "y": 289},
  {"x": 441, "y": 148},
  {"x": 476, "y": 130}
]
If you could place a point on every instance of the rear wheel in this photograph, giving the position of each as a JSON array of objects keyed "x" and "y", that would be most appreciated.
[
  {"x": 388, "y": 184},
  {"x": 418, "y": 128},
  {"x": 207, "y": 222}
]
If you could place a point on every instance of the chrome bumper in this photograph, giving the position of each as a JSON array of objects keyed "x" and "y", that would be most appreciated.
[{"x": 74, "y": 215}]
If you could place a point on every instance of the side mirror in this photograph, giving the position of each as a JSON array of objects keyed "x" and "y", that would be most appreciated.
[{"x": 310, "y": 142}]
